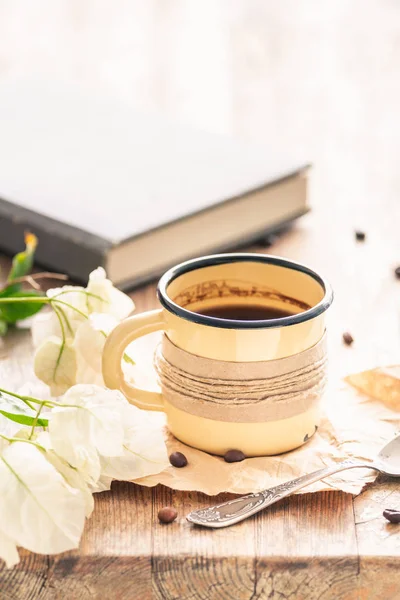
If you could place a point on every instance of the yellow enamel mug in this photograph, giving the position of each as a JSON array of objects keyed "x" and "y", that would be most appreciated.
[{"x": 208, "y": 281}]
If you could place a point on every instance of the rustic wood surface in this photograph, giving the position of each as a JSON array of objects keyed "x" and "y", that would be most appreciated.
[
  {"x": 313, "y": 546},
  {"x": 319, "y": 79}
]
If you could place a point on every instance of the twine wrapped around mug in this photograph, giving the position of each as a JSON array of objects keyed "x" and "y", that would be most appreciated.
[{"x": 242, "y": 392}]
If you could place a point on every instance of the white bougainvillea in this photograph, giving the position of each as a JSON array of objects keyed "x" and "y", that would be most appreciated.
[
  {"x": 39, "y": 509},
  {"x": 54, "y": 454},
  {"x": 70, "y": 449},
  {"x": 69, "y": 339},
  {"x": 105, "y": 298}
]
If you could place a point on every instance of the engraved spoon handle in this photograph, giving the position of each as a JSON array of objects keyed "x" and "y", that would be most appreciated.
[{"x": 238, "y": 509}]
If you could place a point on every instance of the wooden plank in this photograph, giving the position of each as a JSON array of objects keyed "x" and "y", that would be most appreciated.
[
  {"x": 304, "y": 545},
  {"x": 378, "y": 540},
  {"x": 194, "y": 563},
  {"x": 27, "y": 580},
  {"x": 114, "y": 559},
  {"x": 306, "y": 548}
]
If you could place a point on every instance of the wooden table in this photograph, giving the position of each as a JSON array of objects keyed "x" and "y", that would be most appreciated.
[{"x": 313, "y": 546}]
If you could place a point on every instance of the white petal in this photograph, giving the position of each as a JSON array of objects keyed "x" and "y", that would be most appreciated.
[
  {"x": 91, "y": 337},
  {"x": 73, "y": 293},
  {"x": 55, "y": 364},
  {"x": 145, "y": 452},
  {"x": 72, "y": 305},
  {"x": 95, "y": 427},
  {"x": 44, "y": 325},
  {"x": 107, "y": 431},
  {"x": 74, "y": 478},
  {"x": 69, "y": 431},
  {"x": 71, "y": 475},
  {"x": 7, "y": 427},
  {"x": 98, "y": 274},
  {"x": 85, "y": 373},
  {"x": 89, "y": 344},
  {"x": 121, "y": 304},
  {"x": 39, "y": 510},
  {"x": 8, "y": 550},
  {"x": 85, "y": 395},
  {"x": 103, "y": 322},
  {"x": 109, "y": 299},
  {"x": 106, "y": 423},
  {"x": 102, "y": 485}
]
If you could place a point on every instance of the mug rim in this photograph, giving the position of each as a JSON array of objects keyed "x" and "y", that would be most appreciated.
[{"x": 220, "y": 259}]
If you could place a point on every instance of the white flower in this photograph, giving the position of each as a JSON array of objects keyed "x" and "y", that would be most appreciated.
[
  {"x": 110, "y": 300},
  {"x": 71, "y": 475},
  {"x": 39, "y": 510},
  {"x": 70, "y": 338},
  {"x": 98, "y": 432},
  {"x": 7, "y": 427},
  {"x": 91, "y": 425},
  {"x": 91, "y": 337},
  {"x": 45, "y": 325},
  {"x": 55, "y": 364},
  {"x": 71, "y": 304},
  {"x": 8, "y": 550},
  {"x": 47, "y": 479},
  {"x": 89, "y": 343},
  {"x": 102, "y": 485},
  {"x": 144, "y": 451}
]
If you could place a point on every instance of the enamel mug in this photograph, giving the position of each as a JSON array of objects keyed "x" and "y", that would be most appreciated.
[{"x": 235, "y": 278}]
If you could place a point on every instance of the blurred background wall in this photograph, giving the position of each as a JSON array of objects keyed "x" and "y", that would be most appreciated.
[{"x": 320, "y": 75}]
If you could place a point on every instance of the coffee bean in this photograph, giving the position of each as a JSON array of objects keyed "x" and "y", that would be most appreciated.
[
  {"x": 167, "y": 514},
  {"x": 397, "y": 272},
  {"x": 234, "y": 456},
  {"x": 348, "y": 338},
  {"x": 360, "y": 236},
  {"x": 177, "y": 459},
  {"x": 392, "y": 515}
]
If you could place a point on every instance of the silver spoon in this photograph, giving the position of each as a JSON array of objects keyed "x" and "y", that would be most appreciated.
[{"x": 238, "y": 509}]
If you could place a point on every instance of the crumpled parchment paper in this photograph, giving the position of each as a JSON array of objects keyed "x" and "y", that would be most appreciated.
[{"x": 355, "y": 425}]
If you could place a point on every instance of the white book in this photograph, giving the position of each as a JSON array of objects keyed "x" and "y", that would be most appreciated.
[{"x": 102, "y": 184}]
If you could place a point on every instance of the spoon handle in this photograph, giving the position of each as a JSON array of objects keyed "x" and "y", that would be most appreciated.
[{"x": 238, "y": 509}]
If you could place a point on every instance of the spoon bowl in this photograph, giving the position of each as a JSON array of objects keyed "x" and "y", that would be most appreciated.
[{"x": 388, "y": 459}]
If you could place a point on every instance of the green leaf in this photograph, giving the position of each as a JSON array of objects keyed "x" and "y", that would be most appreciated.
[
  {"x": 22, "y": 263},
  {"x": 11, "y": 312},
  {"x": 24, "y": 419},
  {"x": 3, "y": 327},
  {"x": 16, "y": 410}
]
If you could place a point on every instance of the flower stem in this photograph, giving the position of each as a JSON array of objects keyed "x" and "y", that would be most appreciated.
[
  {"x": 39, "y": 410},
  {"x": 90, "y": 294},
  {"x": 28, "y": 399},
  {"x": 29, "y": 299},
  {"x": 14, "y": 439},
  {"x": 56, "y": 310},
  {"x": 51, "y": 300},
  {"x": 25, "y": 399}
]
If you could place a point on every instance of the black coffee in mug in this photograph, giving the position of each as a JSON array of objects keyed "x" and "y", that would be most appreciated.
[{"x": 244, "y": 312}]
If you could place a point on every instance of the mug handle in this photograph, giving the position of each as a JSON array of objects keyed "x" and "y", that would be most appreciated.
[{"x": 114, "y": 348}]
